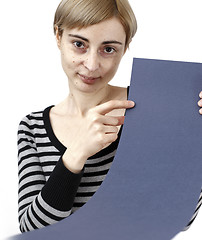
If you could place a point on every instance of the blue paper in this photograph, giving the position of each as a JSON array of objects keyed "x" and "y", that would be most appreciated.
[{"x": 153, "y": 186}]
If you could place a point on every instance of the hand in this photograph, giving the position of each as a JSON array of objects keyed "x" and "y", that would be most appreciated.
[
  {"x": 200, "y": 102},
  {"x": 96, "y": 131}
]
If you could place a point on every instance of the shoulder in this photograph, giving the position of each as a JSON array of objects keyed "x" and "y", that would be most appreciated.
[
  {"x": 31, "y": 121},
  {"x": 32, "y": 117}
]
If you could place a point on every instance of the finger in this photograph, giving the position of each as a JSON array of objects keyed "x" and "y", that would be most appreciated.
[
  {"x": 200, "y": 110},
  {"x": 110, "y": 129},
  {"x": 114, "y": 104},
  {"x": 200, "y": 94},
  {"x": 111, "y": 137},
  {"x": 113, "y": 121},
  {"x": 200, "y": 103}
]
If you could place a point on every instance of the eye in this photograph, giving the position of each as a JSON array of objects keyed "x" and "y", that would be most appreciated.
[
  {"x": 79, "y": 44},
  {"x": 109, "y": 50}
]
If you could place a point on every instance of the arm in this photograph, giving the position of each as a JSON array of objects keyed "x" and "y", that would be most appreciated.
[{"x": 42, "y": 202}]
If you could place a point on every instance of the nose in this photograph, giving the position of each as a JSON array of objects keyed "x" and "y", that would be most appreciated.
[{"x": 92, "y": 61}]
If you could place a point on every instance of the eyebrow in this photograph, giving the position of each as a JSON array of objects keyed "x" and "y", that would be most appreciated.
[{"x": 86, "y": 40}]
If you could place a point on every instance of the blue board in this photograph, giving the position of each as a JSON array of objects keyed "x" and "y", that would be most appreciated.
[{"x": 153, "y": 186}]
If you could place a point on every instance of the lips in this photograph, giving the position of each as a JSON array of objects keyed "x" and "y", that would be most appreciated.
[{"x": 88, "y": 79}]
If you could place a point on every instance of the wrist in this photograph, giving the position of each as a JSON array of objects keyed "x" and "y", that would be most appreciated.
[{"x": 73, "y": 161}]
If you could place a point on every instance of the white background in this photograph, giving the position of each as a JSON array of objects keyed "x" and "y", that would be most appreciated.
[{"x": 32, "y": 77}]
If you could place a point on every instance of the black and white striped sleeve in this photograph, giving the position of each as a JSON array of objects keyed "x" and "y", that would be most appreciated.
[{"x": 41, "y": 202}]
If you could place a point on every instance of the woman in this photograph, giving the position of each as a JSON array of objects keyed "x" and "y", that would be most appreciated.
[{"x": 66, "y": 150}]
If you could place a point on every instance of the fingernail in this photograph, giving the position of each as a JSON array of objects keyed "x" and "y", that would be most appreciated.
[{"x": 131, "y": 104}]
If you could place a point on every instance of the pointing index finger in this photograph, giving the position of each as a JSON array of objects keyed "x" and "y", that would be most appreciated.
[{"x": 114, "y": 104}]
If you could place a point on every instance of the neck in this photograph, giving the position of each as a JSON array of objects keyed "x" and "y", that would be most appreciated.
[{"x": 80, "y": 102}]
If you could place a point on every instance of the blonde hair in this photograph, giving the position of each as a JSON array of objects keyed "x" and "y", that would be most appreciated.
[{"x": 82, "y": 13}]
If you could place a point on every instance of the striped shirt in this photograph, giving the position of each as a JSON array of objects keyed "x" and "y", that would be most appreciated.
[{"x": 48, "y": 191}]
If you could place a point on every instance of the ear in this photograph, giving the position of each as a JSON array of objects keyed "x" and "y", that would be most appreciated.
[{"x": 58, "y": 37}]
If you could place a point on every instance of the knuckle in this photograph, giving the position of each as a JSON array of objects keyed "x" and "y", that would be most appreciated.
[
  {"x": 116, "y": 102},
  {"x": 94, "y": 117},
  {"x": 111, "y": 103},
  {"x": 90, "y": 111},
  {"x": 97, "y": 127},
  {"x": 119, "y": 103},
  {"x": 101, "y": 138}
]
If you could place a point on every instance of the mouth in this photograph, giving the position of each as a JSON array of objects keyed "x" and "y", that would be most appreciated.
[{"x": 88, "y": 79}]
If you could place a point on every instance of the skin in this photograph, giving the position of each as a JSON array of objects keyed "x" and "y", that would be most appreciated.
[
  {"x": 200, "y": 103},
  {"x": 92, "y": 59},
  {"x": 89, "y": 119}
]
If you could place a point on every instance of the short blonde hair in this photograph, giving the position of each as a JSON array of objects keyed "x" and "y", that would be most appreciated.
[{"x": 82, "y": 13}]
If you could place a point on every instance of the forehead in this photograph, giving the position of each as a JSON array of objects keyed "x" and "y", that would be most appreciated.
[{"x": 110, "y": 29}]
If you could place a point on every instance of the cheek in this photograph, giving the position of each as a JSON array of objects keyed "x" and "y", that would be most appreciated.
[
  {"x": 68, "y": 61},
  {"x": 112, "y": 68}
]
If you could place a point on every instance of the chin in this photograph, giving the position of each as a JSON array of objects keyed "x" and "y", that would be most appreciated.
[{"x": 84, "y": 87}]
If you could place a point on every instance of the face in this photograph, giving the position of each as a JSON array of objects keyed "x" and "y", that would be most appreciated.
[{"x": 90, "y": 56}]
